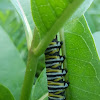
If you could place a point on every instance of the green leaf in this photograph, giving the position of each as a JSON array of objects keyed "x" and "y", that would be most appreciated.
[
  {"x": 12, "y": 68},
  {"x": 83, "y": 63},
  {"x": 12, "y": 24},
  {"x": 5, "y": 5},
  {"x": 20, "y": 5},
  {"x": 96, "y": 36},
  {"x": 25, "y": 13},
  {"x": 40, "y": 91},
  {"x": 50, "y": 15},
  {"x": 5, "y": 94}
]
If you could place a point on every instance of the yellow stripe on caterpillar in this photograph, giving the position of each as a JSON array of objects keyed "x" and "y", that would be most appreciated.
[
  {"x": 53, "y": 70},
  {"x": 55, "y": 83},
  {"x": 50, "y": 57},
  {"x": 59, "y": 92},
  {"x": 57, "y": 96},
  {"x": 58, "y": 79}
]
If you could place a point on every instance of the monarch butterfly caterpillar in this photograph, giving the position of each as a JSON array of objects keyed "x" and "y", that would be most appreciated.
[{"x": 55, "y": 72}]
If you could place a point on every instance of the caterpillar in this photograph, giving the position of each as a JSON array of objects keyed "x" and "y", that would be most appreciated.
[{"x": 54, "y": 71}]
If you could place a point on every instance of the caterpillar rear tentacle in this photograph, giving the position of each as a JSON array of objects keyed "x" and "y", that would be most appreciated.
[{"x": 54, "y": 71}]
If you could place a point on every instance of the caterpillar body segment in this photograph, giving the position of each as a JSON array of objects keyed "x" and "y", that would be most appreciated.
[{"x": 54, "y": 71}]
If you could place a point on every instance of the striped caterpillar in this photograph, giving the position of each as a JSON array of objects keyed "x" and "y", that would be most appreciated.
[{"x": 55, "y": 72}]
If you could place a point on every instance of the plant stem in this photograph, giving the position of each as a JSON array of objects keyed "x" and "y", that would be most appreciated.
[
  {"x": 29, "y": 76},
  {"x": 30, "y": 69}
]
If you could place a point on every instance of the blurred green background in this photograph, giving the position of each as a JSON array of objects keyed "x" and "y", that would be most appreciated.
[{"x": 11, "y": 22}]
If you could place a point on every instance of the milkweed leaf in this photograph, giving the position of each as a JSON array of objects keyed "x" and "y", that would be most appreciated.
[
  {"x": 5, "y": 93},
  {"x": 83, "y": 63},
  {"x": 50, "y": 15},
  {"x": 12, "y": 67}
]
